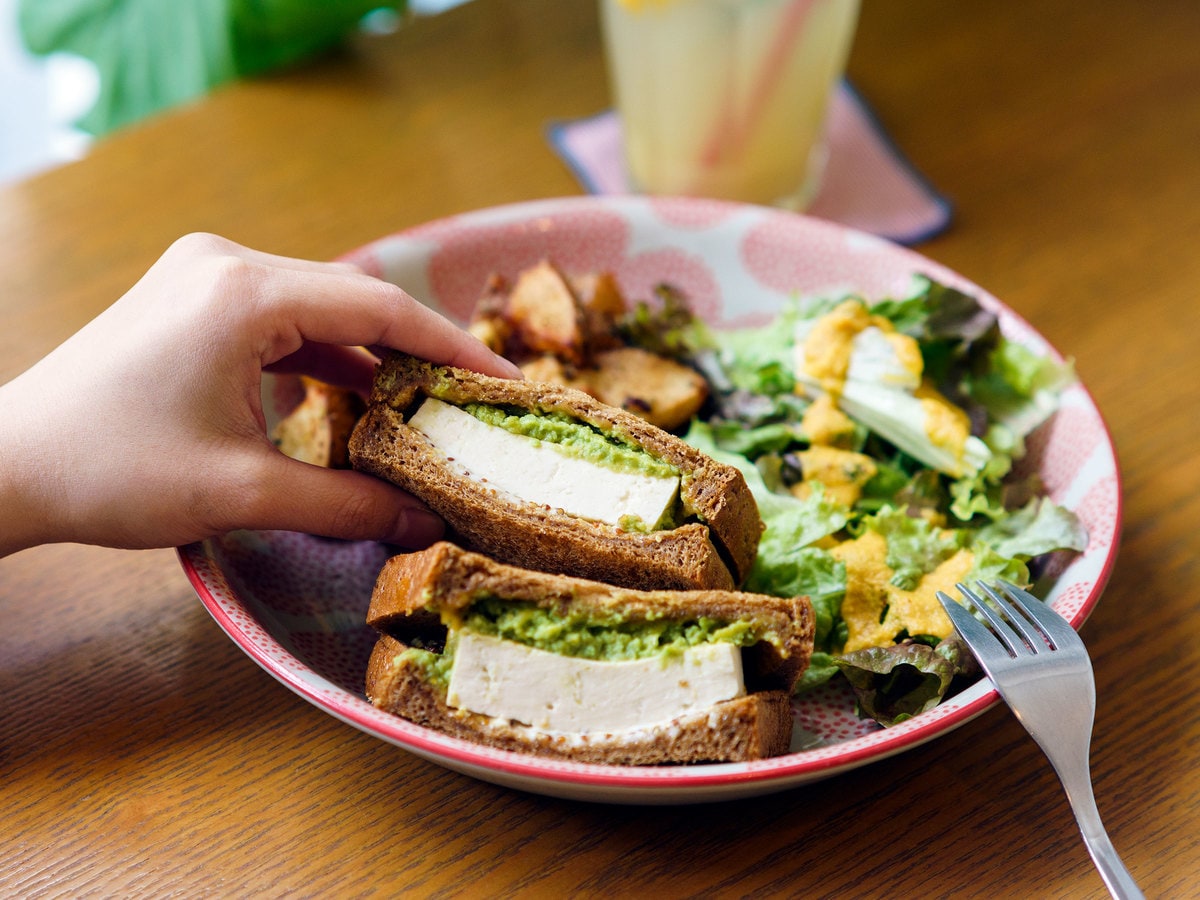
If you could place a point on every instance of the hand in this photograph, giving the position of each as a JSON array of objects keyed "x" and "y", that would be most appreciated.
[{"x": 146, "y": 428}]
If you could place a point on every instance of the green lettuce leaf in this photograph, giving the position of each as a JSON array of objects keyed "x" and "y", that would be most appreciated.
[
  {"x": 787, "y": 565},
  {"x": 895, "y": 683},
  {"x": 759, "y": 360},
  {"x": 735, "y": 437},
  {"x": 810, "y": 572},
  {"x": 1018, "y": 387},
  {"x": 915, "y": 547},
  {"x": 990, "y": 566},
  {"x": 954, "y": 330},
  {"x": 935, "y": 311},
  {"x": 1041, "y": 526},
  {"x": 790, "y": 523},
  {"x": 822, "y": 667},
  {"x": 668, "y": 328}
]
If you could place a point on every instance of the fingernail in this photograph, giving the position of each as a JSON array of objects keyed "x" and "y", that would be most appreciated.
[{"x": 514, "y": 371}]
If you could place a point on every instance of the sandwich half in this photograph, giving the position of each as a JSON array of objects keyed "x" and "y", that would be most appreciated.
[
  {"x": 575, "y": 669},
  {"x": 546, "y": 477}
]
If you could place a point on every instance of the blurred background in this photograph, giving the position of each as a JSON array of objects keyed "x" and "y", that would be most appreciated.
[{"x": 41, "y": 98}]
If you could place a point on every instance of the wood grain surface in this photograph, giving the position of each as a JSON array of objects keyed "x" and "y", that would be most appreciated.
[{"x": 142, "y": 754}]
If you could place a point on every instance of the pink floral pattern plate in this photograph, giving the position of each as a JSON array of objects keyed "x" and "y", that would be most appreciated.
[{"x": 295, "y": 603}]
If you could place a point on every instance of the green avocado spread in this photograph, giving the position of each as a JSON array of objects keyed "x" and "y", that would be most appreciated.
[
  {"x": 588, "y": 638},
  {"x": 575, "y": 438},
  {"x": 434, "y": 666}
]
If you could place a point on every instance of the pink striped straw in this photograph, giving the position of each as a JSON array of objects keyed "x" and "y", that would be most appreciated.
[{"x": 729, "y": 135}]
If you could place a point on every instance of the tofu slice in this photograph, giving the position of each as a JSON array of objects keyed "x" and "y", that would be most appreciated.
[
  {"x": 507, "y": 680},
  {"x": 539, "y": 472}
]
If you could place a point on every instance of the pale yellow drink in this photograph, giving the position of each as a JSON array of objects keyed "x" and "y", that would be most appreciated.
[{"x": 726, "y": 98}]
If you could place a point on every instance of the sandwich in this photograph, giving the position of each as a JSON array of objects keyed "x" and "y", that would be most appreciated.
[
  {"x": 575, "y": 669},
  {"x": 546, "y": 477}
]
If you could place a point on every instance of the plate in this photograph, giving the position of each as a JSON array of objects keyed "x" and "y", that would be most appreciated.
[{"x": 295, "y": 603}]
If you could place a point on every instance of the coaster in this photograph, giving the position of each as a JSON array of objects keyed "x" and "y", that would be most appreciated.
[{"x": 868, "y": 183}]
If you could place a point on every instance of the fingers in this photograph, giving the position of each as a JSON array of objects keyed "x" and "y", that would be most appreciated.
[
  {"x": 335, "y": 303},
  {"x": 354, "y": 309},
  {"x": 345, "y": 367},
  {"x": 295, "y": 496},
  {"x": 202, "y": 244}
]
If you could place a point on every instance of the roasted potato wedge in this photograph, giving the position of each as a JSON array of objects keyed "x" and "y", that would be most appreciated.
[
  {"x": 546, "y": 316},
  {"x": 318, "y": 430},
  {"x": 661, "y": 391}
]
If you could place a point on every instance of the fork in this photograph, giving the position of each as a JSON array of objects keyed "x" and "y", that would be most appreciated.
[{"x": 1041, "y": 668}]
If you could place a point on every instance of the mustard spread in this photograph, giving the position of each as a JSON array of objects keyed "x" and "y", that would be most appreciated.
[{"x": 876, "y": 612}]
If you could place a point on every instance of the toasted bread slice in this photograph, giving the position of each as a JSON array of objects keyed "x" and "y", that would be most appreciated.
[
  {"x": 417, "y": 594},
  {"x": 714, "y": 547}
]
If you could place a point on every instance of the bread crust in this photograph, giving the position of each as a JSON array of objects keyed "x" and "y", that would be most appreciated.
[
  {"x": 717, "y": 551},
  {"x": 756, "y": 726}
]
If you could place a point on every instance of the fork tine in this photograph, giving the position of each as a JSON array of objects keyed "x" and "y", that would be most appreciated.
[
  {"x": 1054, "y": 625},
  {"x": 977, "y": 637},
  {"x": 1030, "y": 630},
  {"x": 1003, "y": 631}
]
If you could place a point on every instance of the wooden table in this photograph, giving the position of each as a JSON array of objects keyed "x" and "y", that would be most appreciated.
[{"x": 141, "y": 753}]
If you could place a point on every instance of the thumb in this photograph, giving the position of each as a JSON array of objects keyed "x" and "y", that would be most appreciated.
[{"x": 340, "y": 503}]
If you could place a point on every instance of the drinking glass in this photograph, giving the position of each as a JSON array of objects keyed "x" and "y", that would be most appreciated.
[{"x": 726, "y": 98}]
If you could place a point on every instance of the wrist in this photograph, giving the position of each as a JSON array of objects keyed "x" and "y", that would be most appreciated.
[{"x": 24, "y": 517}]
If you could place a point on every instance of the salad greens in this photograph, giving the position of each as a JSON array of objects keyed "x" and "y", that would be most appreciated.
[{"x": 878, "y": 438}]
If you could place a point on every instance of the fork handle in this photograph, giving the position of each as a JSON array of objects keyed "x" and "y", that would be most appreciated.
[{"x": 1078, "y": 785}]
